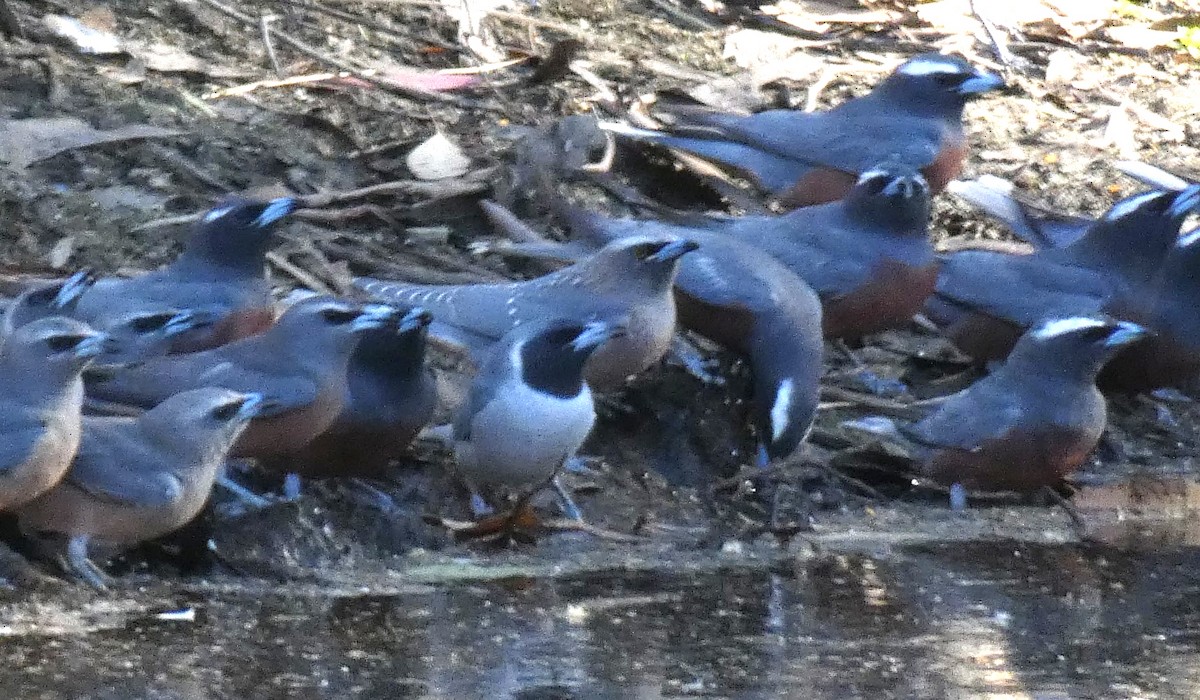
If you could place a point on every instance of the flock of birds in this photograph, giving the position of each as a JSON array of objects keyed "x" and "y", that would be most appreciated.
[{"x": 122, "y": 399}]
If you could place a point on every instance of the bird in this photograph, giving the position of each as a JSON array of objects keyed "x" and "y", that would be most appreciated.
[
  {"x": 805, "y": 158},
  {"x": 41, "y": 399},
  {"x": 138, "y": 478},
  {"x": 628, "y": 282},
  {"x": 299, "y": 365},
  {"x": 391, "y": 394},
  {"x": 46, "y": 299},
  {"x": 738, "y": 296},
  {"x": 1029, "y": 424},
  {"x": 147, "y": 334},
  {"x": 984, "y": 299},
  {"x": 220, "y": 271},
  {"x": 529, "y": 408},
  {"x": 868, "y": 256},
  {"x": 1170, "y": 356}
]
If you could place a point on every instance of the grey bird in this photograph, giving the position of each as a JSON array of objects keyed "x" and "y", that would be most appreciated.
[
  {"x": 41, "y": 397},
  {"x": 1030, "y": 423},
  {"x": 147, "y": 334},
  {"x": 46, "y": 299},
  {"x": 220, "y": 271},
  {"x": 299, "y": 365},
  {"x": 807, "y": 158},
  {"x": 391, "y": 394},
  {"x": 626, "y": 283},
  {"x": 985, "y": 299},
  {"x": 135, "y": 479},
  {"x": 735, "y": 294},
  {"x": 530, "y": 408}
]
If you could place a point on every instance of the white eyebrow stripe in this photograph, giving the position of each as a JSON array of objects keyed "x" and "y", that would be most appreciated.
[
  {"x": 1128, "y": 206},
  {"x": 931, "y": 67},
  {"x": 1066, "y": 325}
]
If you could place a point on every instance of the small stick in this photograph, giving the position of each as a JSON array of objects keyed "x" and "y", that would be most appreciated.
[{"x": 265, "y": 25}]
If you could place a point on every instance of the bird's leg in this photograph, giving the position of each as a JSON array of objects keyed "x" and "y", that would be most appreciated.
[
  {"x": 565, "y": 502},
  {"x": 958, "y": 497},
  {"x": 291, "y": 487},
  {"x": 1081, "y": 529},
  {"x": 479, "y": 506},
  {"x": 696, "y": 365},
  {"x": 242, "y": 493},
  {"x": 374, "y": 496},
  {"x": 78, "y": 563},
  {"x": 880, "y": 386}
]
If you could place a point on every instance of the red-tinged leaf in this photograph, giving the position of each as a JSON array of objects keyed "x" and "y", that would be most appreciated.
[{"x": 434, "y": 82}]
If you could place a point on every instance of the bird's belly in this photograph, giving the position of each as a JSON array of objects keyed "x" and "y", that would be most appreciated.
[
  {"x": 646, "y": 340},
  {"x": 895, "y": 293},
  {"x": 1021, "y": 463},
  {"x": 522, "y": 441}
]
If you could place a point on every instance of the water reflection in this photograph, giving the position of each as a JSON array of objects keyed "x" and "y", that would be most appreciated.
[{"x": 992, "y": 620}]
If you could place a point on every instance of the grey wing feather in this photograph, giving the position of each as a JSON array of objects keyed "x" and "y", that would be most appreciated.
[
  {"x": 946, "y": 428},
  {"x": 1023, "y": 289},
  {"x": 821, "y": 138},
  {"x": 16, "y": 446},
  {"x": 102, "y": 469}
]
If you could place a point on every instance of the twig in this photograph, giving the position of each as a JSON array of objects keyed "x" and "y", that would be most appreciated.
[
  {"x": 265, "y": 26},
  {"x": 543, "y": 23},
  {"x": 378, "y": 26},
  {"x": 313, "y": 52},
  {"x": 472, "y": 183},
  {"x": 300, "y": 275},
  {"x": 998, "y": 45},
  {"x": 814, "y": 91}
]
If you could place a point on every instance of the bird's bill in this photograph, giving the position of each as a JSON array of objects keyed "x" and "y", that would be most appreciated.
[{"x": 674, "y": 250}]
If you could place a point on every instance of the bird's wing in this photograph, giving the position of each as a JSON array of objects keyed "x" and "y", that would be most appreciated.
[
  {"x": 17, "y": 445},
  {"x": 953, "y": 425},
  {"x": 148, "y": 383},
  {"x": 113, "y": 466},
  {"x": 1022, "y": 289}
]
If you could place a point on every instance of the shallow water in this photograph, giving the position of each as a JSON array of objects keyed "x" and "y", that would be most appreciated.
[{"x": 991, "y": 620}]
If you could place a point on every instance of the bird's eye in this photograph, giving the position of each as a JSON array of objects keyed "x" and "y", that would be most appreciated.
[
  {"x": 338, "y": 316},
  {"x": 1097, "y": 334},
  {"x": 948, "y": 80},
  {"x": 226, "y": 412},
  {"x": 146, "y": 324},
  {"x": 644, "y": 250},
  {"x": 63, "y": 343}
]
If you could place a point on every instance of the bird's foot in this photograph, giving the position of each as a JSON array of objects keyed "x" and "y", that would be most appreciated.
[
  {"x": 880, "y": 386},
  {"x": 78, "y": 563},
  {"x": 242, "y": 493},
  {"x": 696, "y": 365},
  {"x": 565, "y": 502}
]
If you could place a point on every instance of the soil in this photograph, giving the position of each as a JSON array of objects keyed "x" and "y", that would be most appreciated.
[{"x": 669, "y": 448}]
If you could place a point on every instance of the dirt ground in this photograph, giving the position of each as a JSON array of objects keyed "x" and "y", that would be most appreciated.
[{"x": 668, "y": 448}]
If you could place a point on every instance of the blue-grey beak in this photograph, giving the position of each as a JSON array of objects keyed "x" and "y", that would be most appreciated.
[
  {"x": 415, "y": 319},
  {"x": 93, "y": 345},
  {"x": 251, "y": 406},
  {"x": 1126, "y": 333},
  {"x": 595, "y": 334},
  {"x": 1186, "y": 202},
  {"x": 980, "y": 83},
  {"x": 674, "y": 250},
  {"x": 275, "y": 210},
  {"x": 374, "y": 316},
  {"x": 74, "y": 288}
]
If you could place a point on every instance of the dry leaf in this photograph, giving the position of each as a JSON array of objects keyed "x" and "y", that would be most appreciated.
[
  {"x": 61, "y": 253},
  {"x": 85, "y": 39},
  {"x": 438, "y": 158},
  {"x": 26, "y": 141}
]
